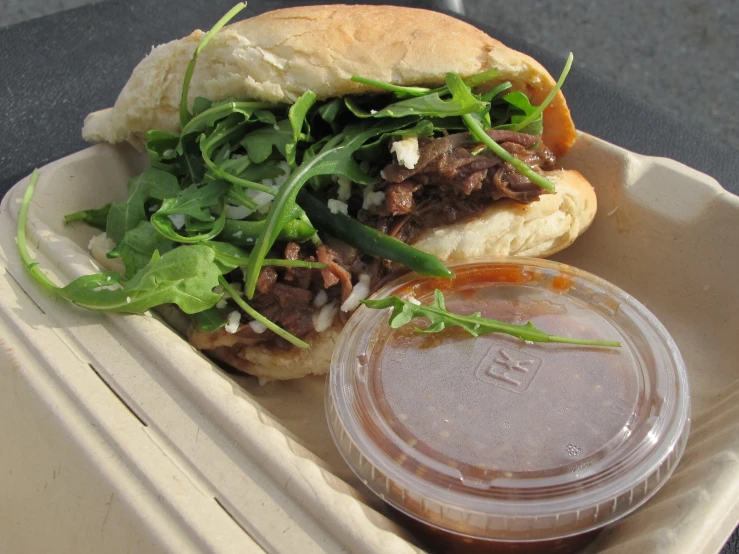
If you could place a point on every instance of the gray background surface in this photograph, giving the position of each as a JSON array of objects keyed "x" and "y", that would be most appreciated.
[{"x": 679, "y": 54}]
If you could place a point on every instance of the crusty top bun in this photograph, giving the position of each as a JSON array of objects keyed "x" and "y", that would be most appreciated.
[{"x": 278, "y": 55}]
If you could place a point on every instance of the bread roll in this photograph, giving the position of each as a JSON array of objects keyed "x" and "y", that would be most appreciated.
[
  {"x": 509, "y": 228},
  {"x": 278, "y": 55},
  {"x": 271, "y": 364}
]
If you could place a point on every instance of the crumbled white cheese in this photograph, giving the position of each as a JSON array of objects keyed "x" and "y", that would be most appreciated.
[
  {"x": 237, "y": 234},
  {"x": 279, "y": 181},
  {"x": 359, "y": 292},
  {"x": 372, "y": 198},
  {"x": 373, "y": 112},
  {"x": 222, "y": 303},
  {"x": 237, "y": 212},
  {"x": 100, "y": 244},
  {"x": 413, "y": 300},
  {"x": 338, "y": 207},
  {"x": 154, "y": 208},
  {"x": 178, "y": 220},
  {"x": 169, "y": 153},
  {"x": 128, "y": 299},
  {"x": 320, "y": 299},
  {"x": 345, "y": 189},
  {"x": 257, "y": 326},
  {"x": 260, "y": 197},
  {"x": 406, "y": 151},
  {"x": 277, "y": 127},
  {"x": 323, "y": 318},
  {"x": 234, "y": 318}
]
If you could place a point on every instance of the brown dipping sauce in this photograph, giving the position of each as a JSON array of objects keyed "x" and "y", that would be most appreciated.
[
  {"x": 493, "y": 444},
  {"x": 494, "y": 409}
]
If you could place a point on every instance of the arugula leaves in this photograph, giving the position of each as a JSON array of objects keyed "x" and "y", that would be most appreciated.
[
  {"x": 185, "y": 276},
  {"x": 138, "y": 246},
  {"x": 124, "y": 216},
  {"x": 431, "y": 105},
  {"x": 548, "y": 100},
  {"x": 520, "y": 102},
  {"x": 260, "y": 142},
  {"x": 210, "y": 320},
  {"x": 403, "y": 92},
  {"x": 185, "y": 115},
  {"x": 403, "y": 312},
  {"x": 193, "y": 203},
  {"x": 96, "y": 217}
]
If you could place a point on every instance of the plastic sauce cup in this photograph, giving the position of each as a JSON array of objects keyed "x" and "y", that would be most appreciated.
[{"x": 494, "y": 443}]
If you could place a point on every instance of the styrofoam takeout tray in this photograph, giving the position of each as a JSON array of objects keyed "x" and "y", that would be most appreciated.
[{"x": 118, "y": 436}]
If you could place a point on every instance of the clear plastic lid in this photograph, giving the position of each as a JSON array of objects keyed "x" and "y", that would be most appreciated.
[{"x": 495, "y": 438}]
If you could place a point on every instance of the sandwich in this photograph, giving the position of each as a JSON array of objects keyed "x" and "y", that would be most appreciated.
[{"x": 302, "y": 157}]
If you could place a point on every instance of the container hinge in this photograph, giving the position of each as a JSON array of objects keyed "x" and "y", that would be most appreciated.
[
  {"x": 24, "y": 291},
  {"x": 236, "y": 521},
  {"x": 118, "y": 396}
]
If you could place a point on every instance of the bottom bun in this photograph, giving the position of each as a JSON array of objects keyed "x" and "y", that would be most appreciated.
[
  {"x": 509, "y": 228},
  {"x": 272, "y": 364}
]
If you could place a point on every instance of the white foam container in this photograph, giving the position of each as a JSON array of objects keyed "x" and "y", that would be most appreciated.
[{"x": 118, "y": 436}]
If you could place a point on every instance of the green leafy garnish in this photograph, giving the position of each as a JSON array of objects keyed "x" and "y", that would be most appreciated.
[
  {"x": 138, "y": 246},
  {"x": 431, "y": 105},
  {"x": 96, "y": 217},
  {"x": 521, "y": 103},
  {"x": 403, "y": 312},
  {"x": 211, "y": 320},
  {"x": 552, "y": 93},
  {"x": 151, "y": 183},
  {"x": 184, "y": 276},
  {"x": 402, "y": 92},
  {"x": 185, "y": 115}
]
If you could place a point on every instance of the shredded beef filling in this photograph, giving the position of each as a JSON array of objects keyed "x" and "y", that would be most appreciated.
[{"x": 449, "y": 183}]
